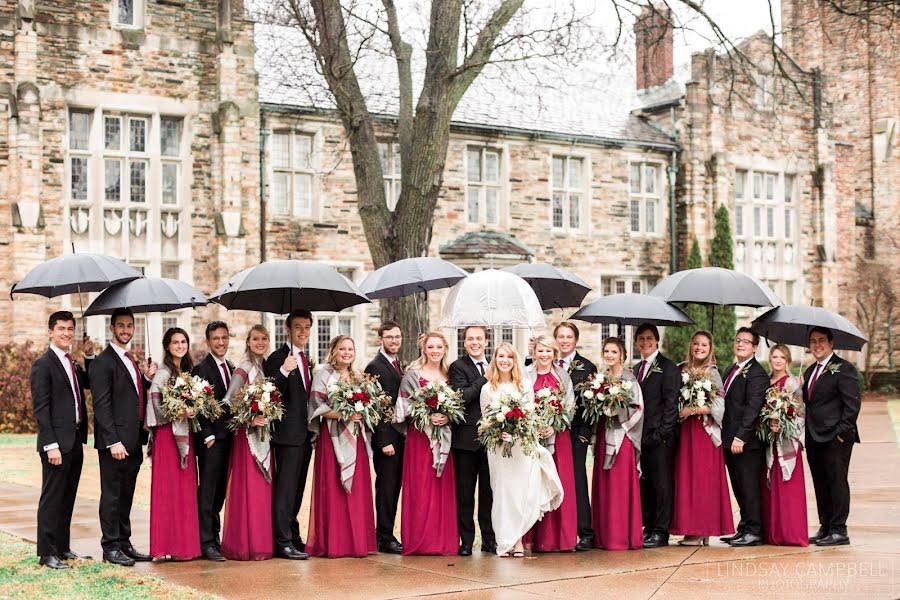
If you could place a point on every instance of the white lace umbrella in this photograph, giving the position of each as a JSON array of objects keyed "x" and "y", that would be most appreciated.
[{"x": 494, "y": 299}]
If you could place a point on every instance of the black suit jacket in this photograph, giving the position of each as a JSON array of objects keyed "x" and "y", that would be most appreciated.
[
  {"x": 292, "y": 429},
  {"x": 585, "y": 369},
  {"x": 465, "y": 377},
  {"x": 832, "y": 409},
  {"x": 385, "y": 433},
  {"x": 209, "y": 370},
  {"x": 660, "y": 391},
  {"x": 743, "y": 402},
  {"x": 54, "y": 403},
  {"x": 115, "y": 400}
]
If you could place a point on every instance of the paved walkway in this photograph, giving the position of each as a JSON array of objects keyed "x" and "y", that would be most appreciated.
[{"x": 870, "y": 568}]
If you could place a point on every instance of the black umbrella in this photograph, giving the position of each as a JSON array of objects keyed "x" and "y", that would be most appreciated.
[
  {"x": 791, "y": 324},
  {"x": 280, "y": 286},
  {"x": 146, "y": 295},
  {"x": 555, "y": 287},
  {"x": 631, "y": 309},
  {"x": 410, "y": 276}
]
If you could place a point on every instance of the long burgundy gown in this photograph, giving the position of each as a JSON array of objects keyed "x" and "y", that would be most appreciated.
[
  {"x": 247, "y": 530},
  {"x": 784, "y": 504},
  {"x": 174, "y": 525},
  {"x": 558, "y": 529},
  {"x": 341, "y": 524},
  {"x": 428, "y": 522},
  {"x": 616, "y": 498}
]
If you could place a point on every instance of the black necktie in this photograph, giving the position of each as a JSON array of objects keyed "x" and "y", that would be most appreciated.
[{"x": 480, "y": 367}]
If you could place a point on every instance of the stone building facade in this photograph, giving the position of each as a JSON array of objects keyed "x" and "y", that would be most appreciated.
[{"x": 154, "y": 129}]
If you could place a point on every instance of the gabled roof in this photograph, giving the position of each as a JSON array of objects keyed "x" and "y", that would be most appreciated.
[
  {"x": 477, "y": 244},
  {"x": 584, "y": 105}
]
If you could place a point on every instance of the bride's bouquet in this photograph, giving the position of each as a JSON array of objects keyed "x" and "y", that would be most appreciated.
[
  {"x": 783, "y": 406},
  {"x": 510, "y": 414},
  {"x": 697, "y": 389},
  {"x": 553, "y": 410},
  {"x": 188, "y": 394},
  {"x": 258, "y": 399},
  {"x": 361, "y": 395},
  {"x": 435, "y": 397},
  {"x": 604, "y": 396}
]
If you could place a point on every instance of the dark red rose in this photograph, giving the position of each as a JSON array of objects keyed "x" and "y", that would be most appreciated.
[
  {"x": 422, "y": 382},
  {"x": 515, "y": 413},
  {"x": 275, "y": 397},
  {"x": 432, "y": 402},
  {"x": 207, "y": 390},
  {"x": 254, "y": 406},
  {"x": 361, "y": 397},
  {"x": 790, "y": 411}
]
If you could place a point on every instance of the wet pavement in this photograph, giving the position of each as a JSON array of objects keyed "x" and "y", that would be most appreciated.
[{"x": 869, "y": 568}]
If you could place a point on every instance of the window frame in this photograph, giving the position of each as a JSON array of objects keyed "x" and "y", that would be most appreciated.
[
  {"x": 645, "y": 198},
  {"x": 292, "y": 171},
  {"x": 483, "y": 185},
  {"x": 138, "y": 7},
  {"x": 567, "y": 190},
  {"x": 392, "y": 172}
]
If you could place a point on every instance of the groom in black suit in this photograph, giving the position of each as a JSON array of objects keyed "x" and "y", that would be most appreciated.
[
  {"x": 469, "y": 456},
  {"x": 120, "y": 386},
  {"x": 746, "y": 383},
  {"x": 289, "y": 367},
  {"x": 660, "y": 383},
  {"x": 57, "y": 397},
  {"x": 213, "y": 442},
  {"x": 387, "y": 443},
  {"x": 831, "y": 392}
]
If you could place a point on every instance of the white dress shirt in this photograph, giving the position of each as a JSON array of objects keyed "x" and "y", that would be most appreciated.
[
  {"x": 67, "y": 367},
  {"x": 295, "y": 351},
  {"x": 483, "y": 362},
  {"x": 649, "y": 360}
]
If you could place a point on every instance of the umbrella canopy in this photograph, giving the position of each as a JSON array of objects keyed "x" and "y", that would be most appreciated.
[
  {"x": 632, "y": 309},
  {"x": 74, "y": 274},
  {"x": 492, "y": 298},
  {"x": 554, "y": 287},
  {"x": 717, "y": 286},
  {"x": 790, "y": 324},
  {"x": 280, "y": 286},
  {"x": 147, "y": 294},
  {"x": 410, "y": 276}
]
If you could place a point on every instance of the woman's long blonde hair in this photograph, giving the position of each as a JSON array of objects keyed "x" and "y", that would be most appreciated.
[
  {"x": 333, "y": 351},
  {"x": 493, "y": 372},
  {"x": 248, "y": 354},
  {"x": 710, "y": 360},
  {"x": 422, "y": 360},
  {"x": 787, "y": 357}
]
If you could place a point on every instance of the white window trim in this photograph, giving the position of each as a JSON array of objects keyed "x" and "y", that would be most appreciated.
[
  {"x": 139, "y": 15},
  {"x": 644, "y": 197},
  {"x": 315, "y": 151},
  {"x": 585, "y": 191},
  {"x": 392, "y": 178},
  {"x": 502, "y": 184}
]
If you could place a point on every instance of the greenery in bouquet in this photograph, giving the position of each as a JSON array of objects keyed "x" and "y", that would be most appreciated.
[
  {"x": 188, "y": 397},
  {"x": 361, "y": 395},
  {"x": 432, "y": 398},
  {"x": 784, "y": 407},
  {"x": 258, "y": 399},
  {"x": 697, "y": 389},
  {"x": 512, "y": 417},
  {"x": 553, "y": 410},
  {"x": 605, "y": 395}
]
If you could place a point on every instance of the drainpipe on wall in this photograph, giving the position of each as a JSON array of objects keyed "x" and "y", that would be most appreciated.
[
  {"x": 673, "y": 174},
  {"x": 263, "y": 135}
]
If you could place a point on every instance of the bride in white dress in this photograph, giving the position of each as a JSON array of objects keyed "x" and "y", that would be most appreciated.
[{"x": 525, "y": 486}]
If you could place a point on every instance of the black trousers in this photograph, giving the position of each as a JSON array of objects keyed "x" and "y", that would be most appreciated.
[
  {"x": 745, "y": 470},
  {"x": 117, "y": 481},
  {"x": 212, "y": 464},
  {"x": 472, "y": 467},
  {"x": 579, "y": 461},
  {"x": 388, "y": 478},
  {"x": 59, "y": 485},
  {"x": 657, "y": 487},
  {"x": 291, "y": 469},
  {"x": 828, "y": 465}
]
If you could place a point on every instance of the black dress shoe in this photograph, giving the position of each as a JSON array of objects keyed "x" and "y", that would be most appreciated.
[
  {"x": 835, "y": 539},
  {"x": 821, "y": 533},
  {"x": 53, "y": 562},
  {"x": 132, "y": 553},
  {"x": 584, "y": 544},
  {"x": 299, "y": 545},
  {"x": 656, "y": 540},
  {"x": 117, "y": 557},
  {"x": 725, "y": 539},
  {"x": 69, "y": 555},
  {"x": 748, "y": 539},
  {"x": 489, "y": 547},
  {"x": 291, "y": 553},
  {"x": 465, "y": 551},
  {"x": 212, "y": 553},
  {"x": 391, "y": 547}
]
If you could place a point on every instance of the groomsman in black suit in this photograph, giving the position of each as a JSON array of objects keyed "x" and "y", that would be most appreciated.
[
  {"x": 579, "y": 368},
  {"x": 57, "y": 397},
  {"x": 831, "y": 392},
  {"x": 120, "y": 387},
  {"x": 387, "y": 443},
  {"x": 213, "y": 442},
  {"x": 289, "y": 367},
  {"x": 746, "y": 383},
  {"x": 660, "y": 382},
  {"x": 469, "y": 456}
]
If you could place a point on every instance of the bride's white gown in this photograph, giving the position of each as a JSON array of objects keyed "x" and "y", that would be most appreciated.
[{"x": 525, "y": 487}]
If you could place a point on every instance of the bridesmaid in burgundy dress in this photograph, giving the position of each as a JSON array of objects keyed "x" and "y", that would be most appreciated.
[
  {"x": 174, "y": 525},
  {"x": 247, "y": 530},
  {"x": 428, "y": 514},
  {"x": 783, "y": 487},
  {"x": 616, "y": 490},
  {"x": 557, "y": 531},
  {"x": 702, "y": 501},
  {"x": 342, "y": 515}
]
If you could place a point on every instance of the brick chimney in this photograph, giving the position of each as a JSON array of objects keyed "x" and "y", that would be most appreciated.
[{"x": 653, "y": 46}]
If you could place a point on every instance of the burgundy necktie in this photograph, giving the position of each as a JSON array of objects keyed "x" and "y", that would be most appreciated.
[
  {"x": 812, "y": 381},
  {"x": 641, "y": 371},
  {"x": 225, "y": 373},
  {"x": 731, "y": 375},
  {"x": 75, "y": 389},
  {"x": 306, "y": 377},
  {"x": 139, "y": 385},
  {"x": 562, "y": 364},
  {"x": 397, "y": 367}
]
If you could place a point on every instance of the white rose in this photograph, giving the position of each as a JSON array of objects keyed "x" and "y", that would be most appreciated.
[
  {"x": 685, "y": 378},
  {"x": 544, "y": 393},
  {"x": 626, "y": 385},
  {"x": 614, "y": 390},
  {"x": 495, "y": 404},
  {"x": 701, "y": 402},
  {"x": 358, "y": 407},
  {"x": 504, "y": 409},
  {"x": 265, "y": 397},
  {"x": 685, "y": 393},
  {"x": 442, "y": 397},
  {"x": 501, "y": 417},
  {"x": 588, "y": 394},
  {"x": 707, "y": 385},
  {"x": 268, "y": 386},
  {"x": 528, "y": 407},
  {"x": 698, "y": 385}
]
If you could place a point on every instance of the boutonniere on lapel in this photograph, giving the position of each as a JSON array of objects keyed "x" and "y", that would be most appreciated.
[
  {"x": 575, "y": 365},
  {"x": 745, "y": 370},
  {"x": 833, "y": 368},
  {"x": 654, "y": 368}
]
